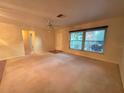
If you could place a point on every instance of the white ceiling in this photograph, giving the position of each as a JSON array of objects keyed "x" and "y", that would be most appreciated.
[{"x": 37, "y": 12}]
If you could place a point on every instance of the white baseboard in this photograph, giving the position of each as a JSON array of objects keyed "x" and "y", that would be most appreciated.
[
  {"x": 105, "y": 60},
  {"x": 9, "y": 58}
]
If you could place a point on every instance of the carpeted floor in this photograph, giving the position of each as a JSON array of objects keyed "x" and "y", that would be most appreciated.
[{"x": 60, "y": 73}]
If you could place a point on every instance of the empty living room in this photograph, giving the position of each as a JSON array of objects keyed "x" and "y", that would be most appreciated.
[{"x": 61, "y": 46}]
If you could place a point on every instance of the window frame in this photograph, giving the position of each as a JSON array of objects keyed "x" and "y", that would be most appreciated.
[
  {"x": 84, "y": 37},
  {"x": 71, "y": 40}
]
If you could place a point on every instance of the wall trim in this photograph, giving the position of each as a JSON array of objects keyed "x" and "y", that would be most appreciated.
[
  {"x": 9, "y": 58},
  {"x": 99, "y": 59}
]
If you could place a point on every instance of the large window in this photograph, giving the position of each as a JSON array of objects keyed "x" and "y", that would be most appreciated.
[
  {"x": 91, "y": 40},
  {"x": 76, "y": 40}
]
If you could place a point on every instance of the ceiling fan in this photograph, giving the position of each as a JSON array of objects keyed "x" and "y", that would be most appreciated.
[{"x": 51, "y": 26}]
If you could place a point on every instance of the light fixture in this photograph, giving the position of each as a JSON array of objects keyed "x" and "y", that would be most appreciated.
[{"x": 50, "y": 25}]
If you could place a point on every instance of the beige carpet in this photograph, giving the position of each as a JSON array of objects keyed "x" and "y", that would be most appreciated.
[{"x": 60, "y": 73}]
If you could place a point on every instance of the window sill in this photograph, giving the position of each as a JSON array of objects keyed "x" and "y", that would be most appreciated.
[{"x": 87, "y": 51}]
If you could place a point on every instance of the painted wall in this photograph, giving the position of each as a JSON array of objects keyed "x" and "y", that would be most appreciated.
[
  {"x": 122, "y": 62},
  {"x": 45, "y": 41},
  {"x": 42, "y": 41},
  {"x": 11, "y": 43},
  {"x": 113, "y": 42},
  {"x": 15, "y": 43},
  {"x": 122, "y": 68}
]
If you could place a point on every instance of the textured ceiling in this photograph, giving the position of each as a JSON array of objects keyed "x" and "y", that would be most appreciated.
[{"x": 37, "y": 12}]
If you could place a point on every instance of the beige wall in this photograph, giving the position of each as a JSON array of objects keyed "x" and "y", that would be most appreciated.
[
  {"x": 45, "y": 41},
  {"x": 122, "y": 68},
  {"x": 121, "y": 64},
  {"x": 11, "y": 43},
  {"x": 113, "y": 43}
]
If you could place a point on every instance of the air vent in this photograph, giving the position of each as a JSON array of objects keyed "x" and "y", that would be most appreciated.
[{"x": 60, "y": 16}]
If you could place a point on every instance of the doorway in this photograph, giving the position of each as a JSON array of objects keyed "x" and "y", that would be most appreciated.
[{"x": 29, "y": 41}]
